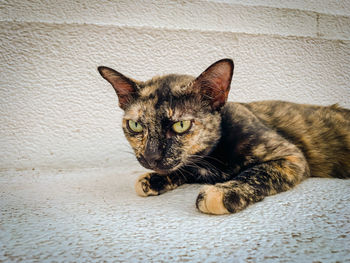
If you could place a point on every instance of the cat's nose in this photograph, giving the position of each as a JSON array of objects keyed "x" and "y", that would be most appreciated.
[
  {"x": 152, "y": 159},
  {"x": 152, "y": 153}
]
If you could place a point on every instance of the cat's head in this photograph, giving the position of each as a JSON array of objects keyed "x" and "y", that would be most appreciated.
[{"x": 170, "y": 120}]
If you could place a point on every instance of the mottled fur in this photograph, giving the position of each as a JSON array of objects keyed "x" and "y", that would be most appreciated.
[{"x": 243, "y": 151}]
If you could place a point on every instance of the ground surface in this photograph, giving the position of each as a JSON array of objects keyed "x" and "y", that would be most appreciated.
[{"x": 95, "y": 215}]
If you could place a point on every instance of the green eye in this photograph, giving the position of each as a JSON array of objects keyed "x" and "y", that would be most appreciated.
[
  {"x": 135, "y": 126},
  {"x": 181, "y": 126}
]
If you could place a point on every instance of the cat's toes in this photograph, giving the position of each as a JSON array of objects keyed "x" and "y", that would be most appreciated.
[
  {"x": 152, "y": 184},
  {"x": 211, "y": 200},
  {"x": 143, "y": 186}
]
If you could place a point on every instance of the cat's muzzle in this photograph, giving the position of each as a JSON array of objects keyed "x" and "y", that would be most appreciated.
[{"x": 158, "y": 165}]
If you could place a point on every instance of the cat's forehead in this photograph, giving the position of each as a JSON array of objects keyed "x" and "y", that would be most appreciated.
[
  {"x": 165, "y": 87},
  {"x": 150, "y": 110},
  {"x": 161, "y": 97}
]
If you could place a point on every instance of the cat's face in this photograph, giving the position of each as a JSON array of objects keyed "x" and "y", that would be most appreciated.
[
  {"x": 170, "y": 120},
  {"x": 166, "y": 126}
]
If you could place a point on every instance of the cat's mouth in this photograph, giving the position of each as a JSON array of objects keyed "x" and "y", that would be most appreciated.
[
  {"x": 160, "y": 167},
  {"x": 165, "y": 169},
  {"x": 168, "y": 170}
]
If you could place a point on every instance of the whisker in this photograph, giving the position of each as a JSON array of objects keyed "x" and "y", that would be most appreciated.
[
  {"x": 209, "y": 157},
  {"x": 203, "y": 163},
  {"x": 181, "y": 171},
  {"x": 211, "y": 170}
]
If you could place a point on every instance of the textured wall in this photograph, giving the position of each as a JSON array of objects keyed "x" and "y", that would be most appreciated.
[{"x": 57, "y": 112}]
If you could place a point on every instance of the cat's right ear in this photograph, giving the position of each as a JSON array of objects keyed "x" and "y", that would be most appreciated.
[{"x": 123, "y": 86}]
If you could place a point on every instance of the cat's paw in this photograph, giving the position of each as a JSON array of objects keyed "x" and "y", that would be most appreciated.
[
  {"x": 150, "y": 184},
  {"x": 224, "y": 198},
  {"x": 211, "y": 200}
]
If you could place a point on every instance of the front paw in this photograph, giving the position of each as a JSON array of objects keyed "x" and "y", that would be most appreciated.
[
  {"x": 150, "y": 184},
  {"x": 211, "y": 200},
  {"x": 229, "y": 197}
]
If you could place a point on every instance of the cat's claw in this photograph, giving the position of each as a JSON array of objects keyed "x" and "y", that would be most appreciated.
[
  {"x": 142, "y": 186},
  {"x": 211, "y": 200}
]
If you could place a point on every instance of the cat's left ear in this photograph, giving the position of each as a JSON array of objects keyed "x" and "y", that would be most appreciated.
[{"x": 214, "y": 83}]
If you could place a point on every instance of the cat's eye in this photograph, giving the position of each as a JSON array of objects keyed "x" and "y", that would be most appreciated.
[
  {"x": 181, "y": 126},
  {"x": 135, "y": 126}
]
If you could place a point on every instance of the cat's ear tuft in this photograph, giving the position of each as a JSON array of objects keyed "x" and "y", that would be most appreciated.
[
  {"x": 214, "y": 83},
  {"x": 123, "y": 86}
]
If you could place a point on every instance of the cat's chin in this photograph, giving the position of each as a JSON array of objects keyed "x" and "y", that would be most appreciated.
[
  {"x": 168, "y": 170},
  {"x": 161, "y": 171}
]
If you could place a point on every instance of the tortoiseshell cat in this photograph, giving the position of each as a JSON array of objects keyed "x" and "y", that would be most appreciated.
[{"x": 182, "y": 128}]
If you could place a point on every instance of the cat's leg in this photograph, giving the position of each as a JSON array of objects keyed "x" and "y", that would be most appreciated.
[
  {"x": 155, "y": 184},
  {"x": 252, "y": 185}
]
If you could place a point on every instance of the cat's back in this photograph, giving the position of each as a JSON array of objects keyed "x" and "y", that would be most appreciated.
[{"x": 322, "y": 133}]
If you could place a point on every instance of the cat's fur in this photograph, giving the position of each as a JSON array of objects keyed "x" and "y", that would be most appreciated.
[{"x": 241, "y": 151}]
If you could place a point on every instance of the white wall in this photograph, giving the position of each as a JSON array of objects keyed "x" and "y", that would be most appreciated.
[{"x": 57, "y": 112}]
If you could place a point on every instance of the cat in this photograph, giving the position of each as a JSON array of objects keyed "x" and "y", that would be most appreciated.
[{"x": 183, "y": 129}]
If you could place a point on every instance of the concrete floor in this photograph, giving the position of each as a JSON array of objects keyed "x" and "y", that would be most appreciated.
[{"x": 95, "y": 215}]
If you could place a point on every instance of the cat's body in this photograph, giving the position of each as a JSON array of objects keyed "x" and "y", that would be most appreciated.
[{"x": 182, "y": 128}]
